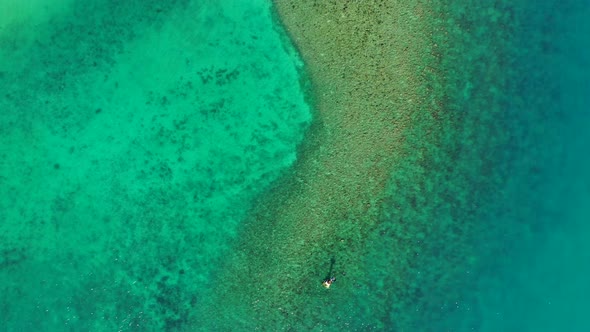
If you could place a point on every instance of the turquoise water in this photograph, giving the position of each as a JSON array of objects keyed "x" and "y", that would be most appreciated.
[
  {"x": 534, "y": 280},
  {"x": 537, "y": 280},
  {"x": 137, "y": 135},
  {"x": 509, "y": 171},
  {"x": 526, "y": 152}
]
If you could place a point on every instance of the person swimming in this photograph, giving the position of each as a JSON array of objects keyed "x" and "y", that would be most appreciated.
[{"x": 328, "y": 282}]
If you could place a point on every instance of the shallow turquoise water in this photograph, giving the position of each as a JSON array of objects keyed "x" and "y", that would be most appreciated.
[{"x": 136, "y": 135}]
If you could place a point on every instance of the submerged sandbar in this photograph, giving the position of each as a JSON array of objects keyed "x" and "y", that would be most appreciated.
[{"x": 372, "y": 67}]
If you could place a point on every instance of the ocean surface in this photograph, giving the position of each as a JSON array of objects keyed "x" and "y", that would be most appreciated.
[{"x": 137, "y": 137}]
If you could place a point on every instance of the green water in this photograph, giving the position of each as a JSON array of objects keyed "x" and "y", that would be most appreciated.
[{"x": 134, "y": 136}]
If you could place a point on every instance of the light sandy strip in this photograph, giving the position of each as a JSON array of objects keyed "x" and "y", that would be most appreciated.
[{"x": 373, "y": 68}]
